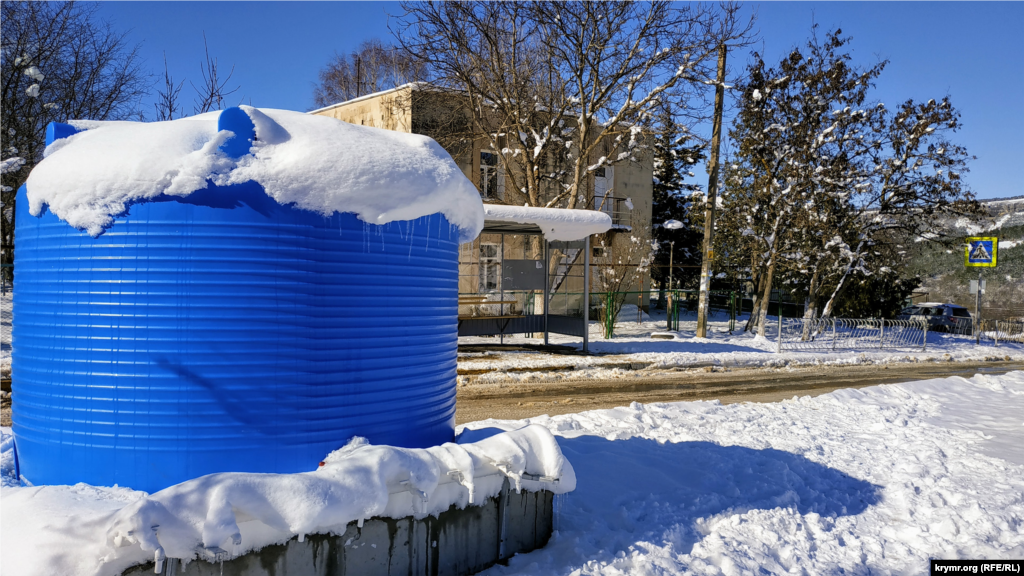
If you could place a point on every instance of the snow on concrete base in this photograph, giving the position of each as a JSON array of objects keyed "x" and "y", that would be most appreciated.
[{"x": 84, "y": 530}]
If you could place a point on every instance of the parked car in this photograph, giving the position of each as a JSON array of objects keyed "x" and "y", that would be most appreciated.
[{"x": 941, "y": 317}]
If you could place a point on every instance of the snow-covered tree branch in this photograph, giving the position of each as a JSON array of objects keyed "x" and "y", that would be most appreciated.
[
  {"x": 57, "y": 63},
  {"x": 563, "y": 89},
  {"x": 827, "y": 186}
]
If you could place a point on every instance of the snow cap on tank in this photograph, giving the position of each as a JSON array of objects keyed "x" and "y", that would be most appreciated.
[{"x": 94, "y": 171}]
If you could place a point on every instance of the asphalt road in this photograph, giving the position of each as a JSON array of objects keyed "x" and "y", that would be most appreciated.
[{"x": 517, "y": 400}]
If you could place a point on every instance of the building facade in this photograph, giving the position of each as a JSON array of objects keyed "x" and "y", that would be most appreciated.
[{"x": 623, "y": 190}]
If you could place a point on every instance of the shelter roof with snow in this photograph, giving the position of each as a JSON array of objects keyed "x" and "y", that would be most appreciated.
[{"x": 556, "y": 224}]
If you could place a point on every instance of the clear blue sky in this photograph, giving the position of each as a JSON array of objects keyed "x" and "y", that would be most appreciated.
[{"x": 972, "y": 51}]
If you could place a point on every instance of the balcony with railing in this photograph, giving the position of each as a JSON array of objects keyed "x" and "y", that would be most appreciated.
[{"x": 620, "y": 209}]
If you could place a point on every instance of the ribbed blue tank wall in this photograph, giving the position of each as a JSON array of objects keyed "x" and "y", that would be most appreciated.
[{"x": 225, "y": 332}]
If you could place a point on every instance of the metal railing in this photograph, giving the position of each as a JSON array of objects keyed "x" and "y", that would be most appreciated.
[
  {"x": 614, "y": 310},
  {"x": 961, "y": 327},
  {"x": 614, "y": 206},
  {"x": 673, "y": 303},
  {"x": 6, "y": 325},
  {"x": 1001, "y": 331},
  {"x": 995, "y": 331},
  {"x": 844, "y": 333}
]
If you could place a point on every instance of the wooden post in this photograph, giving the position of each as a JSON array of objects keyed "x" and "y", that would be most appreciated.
[
  {"x": 640, "y": 302},
  {"x": 924, "y": 344},
  {"x": 609, "y": 320},
  {"x": 778, "y": 349},
  {"x": 709, "y": 211}
]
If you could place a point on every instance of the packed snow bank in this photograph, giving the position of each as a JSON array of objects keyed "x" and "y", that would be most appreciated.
[
  {"x": 871, "y": 481},
  {"x": 313, "y": 162},
  {"x": 557, "y": 224},
  {"x": 85, "y": 530}
]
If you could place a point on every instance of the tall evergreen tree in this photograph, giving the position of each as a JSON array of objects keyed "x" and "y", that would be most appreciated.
[
  {"x": 827, "y": 187},
  {"x": 676, "y": 199}
]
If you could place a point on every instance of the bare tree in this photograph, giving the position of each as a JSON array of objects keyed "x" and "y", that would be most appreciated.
[
  {"x": 57, "y": 62},
  {"x": 212, "y": 91},
  {"x": 563, "y": 89},
  {"x": 374, "y": 66},
  {"x": 621, "y": 270},
  {"x": 167, "y": 106}
]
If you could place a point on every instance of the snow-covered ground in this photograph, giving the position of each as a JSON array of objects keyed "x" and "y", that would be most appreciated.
[
  {"x": 871, "y": 481},
  {"x": 641, "y": 346},
  {"x": 86, "y": 530}
]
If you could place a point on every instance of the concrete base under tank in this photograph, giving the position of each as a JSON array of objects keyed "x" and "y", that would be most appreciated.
[{"x": 456, "y": 543}]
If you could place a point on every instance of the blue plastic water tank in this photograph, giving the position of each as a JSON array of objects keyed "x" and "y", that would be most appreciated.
[{"x": 222, "y": 331}]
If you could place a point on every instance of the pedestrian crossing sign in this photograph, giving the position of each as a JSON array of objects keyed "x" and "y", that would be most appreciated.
[{"x": 981, "y": 252}]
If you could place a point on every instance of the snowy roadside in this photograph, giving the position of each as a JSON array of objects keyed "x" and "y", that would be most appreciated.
[
  {"x": 645, "y": 348},
  {"x": 877, "y": 480},
  {"x": 871, "y": 481}
]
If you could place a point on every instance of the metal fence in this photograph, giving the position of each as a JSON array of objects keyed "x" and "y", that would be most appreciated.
[
  {"x": 994, "y": 331},
  {"x": 616, "y": 311},
  {"x": 666, "y": 307},
  {"x": 619, "y": 209},
  {"x": 1000, "y": 331},
  {"x": 6, "y": 309},
  {"x": 639, "y": 312},
  {"x": 844, "y": 333}
]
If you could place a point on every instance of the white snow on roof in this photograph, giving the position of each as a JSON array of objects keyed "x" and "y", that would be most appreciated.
[
  {"x": 409, "y": 85},
  {"x": 84, "y": 530},
  {"x": 315, "y": 162},
  {"x": 556, "y": 223}
]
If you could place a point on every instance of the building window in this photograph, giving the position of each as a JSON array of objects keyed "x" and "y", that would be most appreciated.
[
  {"x": 603, "y": 178},
  {"x": 600, "y": 251},
  {"x": 492, "y": 181},
  {"x": 490, "y": 267}
]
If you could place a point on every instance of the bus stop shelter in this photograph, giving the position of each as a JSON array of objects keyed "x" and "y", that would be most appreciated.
[{"x": 565, "y": 230}]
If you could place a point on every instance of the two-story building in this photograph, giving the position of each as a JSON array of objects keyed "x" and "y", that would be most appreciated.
[{"x": 623, "y": 190}]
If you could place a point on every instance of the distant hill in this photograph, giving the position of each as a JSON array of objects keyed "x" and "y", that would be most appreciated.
[{"x": 945, "y": 278}]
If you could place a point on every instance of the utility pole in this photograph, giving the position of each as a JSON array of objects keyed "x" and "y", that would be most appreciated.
[
  {"x": 671, "y": 251},
  {"x": 709, "y": 212},
  {"x": 671, "y": 299},
  {"x": 359, "y": 76}
]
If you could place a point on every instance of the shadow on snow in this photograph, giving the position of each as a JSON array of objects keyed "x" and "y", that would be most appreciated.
[{"x": 639, "y": 490}]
